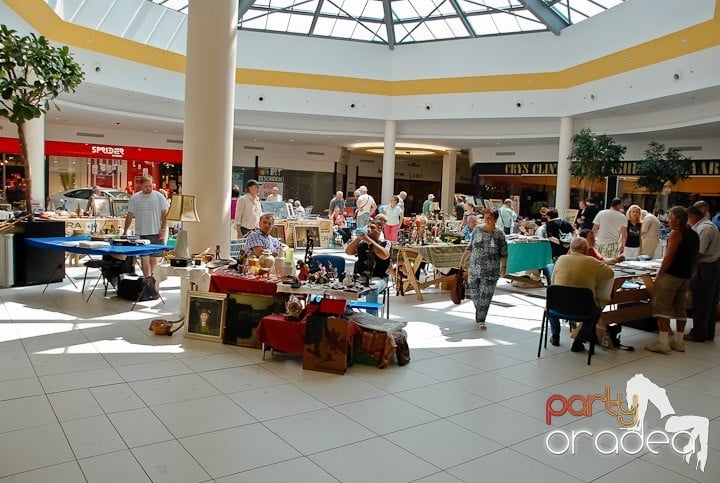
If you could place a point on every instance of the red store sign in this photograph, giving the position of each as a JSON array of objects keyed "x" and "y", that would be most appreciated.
[{"x": 101, "y": 151}]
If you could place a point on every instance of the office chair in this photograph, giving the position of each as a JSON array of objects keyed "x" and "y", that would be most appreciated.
[{"x": 569, "y": 303}]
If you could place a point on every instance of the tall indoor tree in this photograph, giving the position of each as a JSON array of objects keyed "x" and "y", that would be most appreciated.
[
  {"x": 662, "y": 168},
  {"x": 594, "y": 155},
  {"x": 33, "y": 73}
]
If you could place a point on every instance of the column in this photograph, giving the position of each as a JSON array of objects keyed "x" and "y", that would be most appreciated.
[
  {"x": 562, "y": 190},
  {"x": 388, "y": 169},
  {"x": 447, "y": 183},
  {"x": 209, "y": 109},
  {"x": 35, "y": 137}
]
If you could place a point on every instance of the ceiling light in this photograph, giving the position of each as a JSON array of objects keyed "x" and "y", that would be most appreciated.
[{"x": 407, "y": 149}]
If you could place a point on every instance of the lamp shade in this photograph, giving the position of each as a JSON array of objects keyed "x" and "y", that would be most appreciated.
[{"x": 182, "y": 208}]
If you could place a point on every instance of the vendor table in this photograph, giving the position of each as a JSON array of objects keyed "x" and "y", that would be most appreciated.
[
  {"x": 628, "y": 293},
  {"x": 70, "y": 244},
  {"x": 522, "y": 256},
  {"x": 224, "y": 281},
  {"x": 527, "y": 255}
]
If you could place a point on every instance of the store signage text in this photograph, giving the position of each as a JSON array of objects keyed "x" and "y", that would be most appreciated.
[
  {"x": 115, "y": 152},
  {"x": 624, "y": 168}
]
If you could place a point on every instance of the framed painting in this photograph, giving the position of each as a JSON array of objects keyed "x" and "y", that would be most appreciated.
[
  {"x": 302, "y": 233},
  {"x": 277, "y": 208},
  {"x": 205, "y": 315},
  {"x": 570, "y": 216},
  {"x": 326, "y": 344},
  {"x": 496, "y": 203},
  {"x": 278, "y": 231},
  {"x": 120, "y": 208},
  {"x": 487, "y": 204},
  {"x": 243, "y": 315},
  {"x": 101, "y": 207}
]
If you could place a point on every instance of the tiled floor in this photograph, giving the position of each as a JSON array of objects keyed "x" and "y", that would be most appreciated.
[{"x": 87, "y": 393}]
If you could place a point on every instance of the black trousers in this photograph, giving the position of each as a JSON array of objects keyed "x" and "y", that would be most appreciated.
[{"x": 705, "y": 288}]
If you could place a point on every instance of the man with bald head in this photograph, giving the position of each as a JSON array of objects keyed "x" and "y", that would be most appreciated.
[{"x": 577, "y": 269}]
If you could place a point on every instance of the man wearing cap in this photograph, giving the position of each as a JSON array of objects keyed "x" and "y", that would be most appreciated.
[
  {"x": 248, "y": 210},
  {"x": 427, "y": 204},
  {"x": 365, "y": 205},
  {"x": 507, "y": 216}
]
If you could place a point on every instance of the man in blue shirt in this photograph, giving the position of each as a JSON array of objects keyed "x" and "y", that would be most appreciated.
[
  {"x": 261, "y": 239},
  {"x": 469, "y": 226}
]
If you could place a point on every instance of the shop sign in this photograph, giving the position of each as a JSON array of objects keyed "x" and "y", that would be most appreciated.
[
  {"x": 113, "y": 151},
  {"x": 270, "y": 175},
  {"x": 624, "y": 168}
]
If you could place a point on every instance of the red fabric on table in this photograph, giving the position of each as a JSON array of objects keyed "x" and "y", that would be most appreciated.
[
  {"x": 289, "y": 336},
  {"x": 227, "y": 281}
]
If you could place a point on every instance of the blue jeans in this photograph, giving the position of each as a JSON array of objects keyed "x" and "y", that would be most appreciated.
[{"x": 378, "y": 285}]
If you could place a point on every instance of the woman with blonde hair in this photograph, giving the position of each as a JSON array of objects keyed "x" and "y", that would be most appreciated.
[{"x": 633, "y": 244}]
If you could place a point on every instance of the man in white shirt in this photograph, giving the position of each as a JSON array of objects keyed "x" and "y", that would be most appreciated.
[
  {"x": 401, "y": 200},
  {"x": 275, "y": 195},
  {"x": 649, "y": 234},
  {"x": 150, "y": 209},
  {"x": 365, "y": 205},
  {"x": 610, "y": 229},
  {"x": 507, "y": 216},
  {"x": 705, "y": 281},
  {"x": 248, "y": 211}
]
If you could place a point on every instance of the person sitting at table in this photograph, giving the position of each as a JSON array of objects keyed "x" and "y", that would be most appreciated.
[
  {"x": 373, "y": 258},
  {"x": 673, "y": 281},
  {"x": 261, "y": 239},
  {"x": 588, "y": 235},
  {"x": 577, "y": 269}
]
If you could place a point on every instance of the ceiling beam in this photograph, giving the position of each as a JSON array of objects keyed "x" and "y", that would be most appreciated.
[
  {"x": 389, "y": 24},
  {"x": 463, "y": 18},
  {"x": 555, "y": 23},
  {"x": 318, "y": 9},
  {"x": 243, "y": 7}
]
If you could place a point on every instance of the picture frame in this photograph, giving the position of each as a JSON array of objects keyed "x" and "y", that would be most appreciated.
[
  {"x": 496, "y": 203},
  {"x": 278, "y": 231},
  {"x": 571, "y": 215},
  {"x": 277, "y": 208},
  {"x": 101, "y": 207},
  {"x": 120, "y": 208},
  {"x": 205, "y": 315},
  {"x": 487, "y": 204},
  {"x": 290, "y": 210},
  {"x": 301, "y": 235},
  {"x": 243, "y": 315}
]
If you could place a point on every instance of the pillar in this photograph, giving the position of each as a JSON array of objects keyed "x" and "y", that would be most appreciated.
[
  {"x": 209, "y": 109},
  {"x": 562, "y": 190},
  {"x": 447, "y": 183},
  {"x": 388, "y": 169},
  {"x": 35, "y": 137}
]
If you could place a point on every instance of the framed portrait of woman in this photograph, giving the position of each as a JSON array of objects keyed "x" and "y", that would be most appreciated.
[{"x": 205, "y": 315}]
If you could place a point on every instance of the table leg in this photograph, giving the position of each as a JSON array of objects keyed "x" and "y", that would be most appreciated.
[{"x": 411, "y": 280}]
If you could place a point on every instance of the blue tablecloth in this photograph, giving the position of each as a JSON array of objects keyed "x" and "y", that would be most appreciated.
[
  {"x": 528, "y": 256},
  {"x": 66, "y": 244}
]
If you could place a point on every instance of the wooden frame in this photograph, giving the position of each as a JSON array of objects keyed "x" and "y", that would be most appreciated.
[
  {"x": 243, "y": 314},
  {"x": 300, "y": 233},
  {"x": 278, "y": 231},
  {"x": 570, "y": 216},
  {"x": 201, "y": 326},
  {"x": 120, "y": 208},
  {"x": 496, "y": 203}
]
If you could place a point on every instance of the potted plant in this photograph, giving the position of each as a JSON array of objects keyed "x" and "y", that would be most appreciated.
[
  {"x": 662, "y": 168},
  {"x": 32, "y": 74},
  {"x": 594, "y": 155}
]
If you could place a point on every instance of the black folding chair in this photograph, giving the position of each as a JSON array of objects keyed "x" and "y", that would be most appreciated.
[{"x": 570, "y": 303}]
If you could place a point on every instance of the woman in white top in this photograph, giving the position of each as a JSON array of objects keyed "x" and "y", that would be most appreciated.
[
  {"x": 299, "y": 210},
  {"x": 394, "y": 216}
]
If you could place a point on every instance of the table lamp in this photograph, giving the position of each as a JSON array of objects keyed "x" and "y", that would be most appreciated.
[{"x": 182, "y": 208}]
